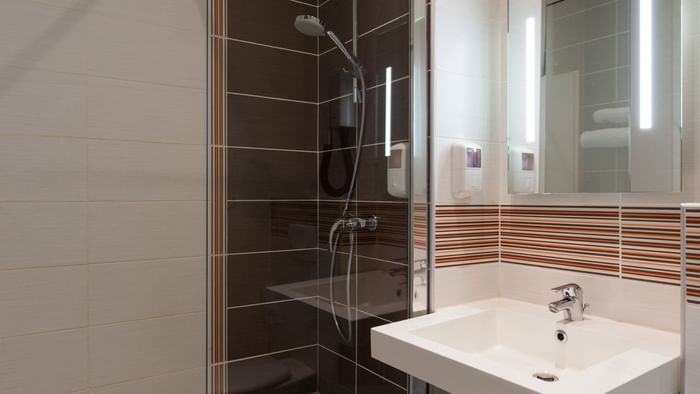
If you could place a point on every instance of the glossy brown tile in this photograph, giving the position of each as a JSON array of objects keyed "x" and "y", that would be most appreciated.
[
  {"x": 337, "y": 15},
  {"x": 335, "y": 374},
  {"x": 302, "y": 380},
  {"x": 335, "y": 170},
  {"x": 382, "y": 289},
  {"x": 272, "y": 225},
  {"x": 369, "y": 383},
  {"x": 328, "y": 213},
  {"x": 364, "y": 353},
  {"x": 333, "y": 80},
  {"x": 385, "y": 47},
  {"x": 337, "y": 124},
  {"x": 373, "y": 13},
  {"x": 375, "y": 130},
  {"x": 270, "y": 328},
  {"x": 256, "y": 174},
  {"x": 259, "y": 70},
  {"x": 278, "y": 26},
  {"x": 373, "y": 174},
  {"x": 328, "y": 335},
  {"x": 264, "y": 277},
  {"x": 250, "y": 123},
  {"x": 390, "y": 240}
]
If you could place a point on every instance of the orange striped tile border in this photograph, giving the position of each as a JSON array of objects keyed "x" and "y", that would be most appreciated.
[
  {"x": 579, "y": 239},
  {"x": 650, "y": 238},
  {"x": 466, "y": 234},
  {"x": 692, "y": 255}
]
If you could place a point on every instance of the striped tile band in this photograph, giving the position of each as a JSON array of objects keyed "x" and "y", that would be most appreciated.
[
  {"x": 466, "y": 234},
  {"x": 580, "y": 239},
  {"x": 640, "y": 243},
  {"x": 692, "y": 254},
  {"x": 651, "y": 244}
]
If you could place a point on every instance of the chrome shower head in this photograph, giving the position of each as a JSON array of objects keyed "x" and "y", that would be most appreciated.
[{"x": 310, "y": 25}]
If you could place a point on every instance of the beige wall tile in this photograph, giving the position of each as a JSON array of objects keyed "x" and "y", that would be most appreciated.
[
  {"x": 143, "y": 289},
  {"x": 139, "y": 349},
  {"x": 37, "y": 102},
  {"x": 42, "y": 169},
  {"x": 692, "y": 349},
  {"x": 40, "y": 36},
  {"x": 136, "y": 111},
  {"x": 191, "y": 381},
  {"x": 181, "y": 14},
  {"x": 42, "y": 234},
  {"x": 123, "y": 171},
  {"x": 42, "y": 299},
  {"x": 121, "y": 231},
  {"x": 45, "y": 363},
  {"x": 124, "y": 49}
]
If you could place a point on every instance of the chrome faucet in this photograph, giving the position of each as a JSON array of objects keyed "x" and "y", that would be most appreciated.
[{"x": 571, "y": 303}]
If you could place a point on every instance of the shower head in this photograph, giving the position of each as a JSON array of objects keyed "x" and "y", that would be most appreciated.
[{"x": 310, "y": 26}]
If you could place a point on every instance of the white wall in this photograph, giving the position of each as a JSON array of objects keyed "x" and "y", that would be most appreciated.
[{"x": 102, "y": 196}]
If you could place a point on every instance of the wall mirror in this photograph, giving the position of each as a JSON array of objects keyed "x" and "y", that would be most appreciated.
[{"x": 594, "y": 96}]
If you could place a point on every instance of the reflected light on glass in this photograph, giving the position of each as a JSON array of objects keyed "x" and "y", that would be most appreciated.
[
  {"x": 387, "y": 114},
  {"x": 530, "y": 81},
  {"x": 645, "y": 64}
]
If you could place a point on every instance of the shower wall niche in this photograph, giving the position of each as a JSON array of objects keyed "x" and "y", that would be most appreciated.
[{"x": 283, "y": 137}]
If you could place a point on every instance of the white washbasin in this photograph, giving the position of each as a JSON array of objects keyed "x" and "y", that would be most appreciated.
[{"x": 495, "y": 346}]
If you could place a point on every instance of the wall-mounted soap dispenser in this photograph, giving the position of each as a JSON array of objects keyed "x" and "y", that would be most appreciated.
[
  {"x": 397, "y": 171},
  {"x": 522, "y": 177},
  {"x": 467, "y": 170}
]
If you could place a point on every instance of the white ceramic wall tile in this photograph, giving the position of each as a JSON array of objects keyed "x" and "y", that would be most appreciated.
[
  {"x": 42, "y": 299},
  {"x": 457, "y": 285},
  {"x": 41, "y": 36},
  {"x": 42, "y": 169},
  {"x": 144, "y": 348},
  {"x": 145, "y": 230},
  {"x": 191, "y": 381},
  {"x": 122, "y": 171},
  {"x": 692, "y": 349},
  {"x": 135, "y": 111},
  {"x": 37, "y": 102},
  {"x": 124, "y": 49},
  {"x": 42, "y": 234},
  {"x": 143, "y": 289},
  {"x": 45, "y": 363},
  {"x": 636, "y": 302}
]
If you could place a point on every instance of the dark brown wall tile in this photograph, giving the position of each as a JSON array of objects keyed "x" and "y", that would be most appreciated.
[
  {"x": 376, "y": 113},
  {"x": 382, "y": 289},
  {"x": 368, "y": 383},
  {"x": 252, "y": 277},
  {"x": 335, "y": 173},
  {"x": 336, "y": 375},
  {"x": 275, "y": 225},
  {"x": 373, "y": 13},
  {"x": 255, "y": 174},
  {"x": 333, "y": 81},
  {"x": 303, "y": 360},
  {"x": 271, "y": 327},
  {"x": 265, "y": 123},
  {"x": 329, "y": 337},
  {"x": 254, "y": 69},
  {"x": 277, "y": 27},
  {"x": 337, "y": 15},
  {"x": 390, "y": 240},
  {"x": 337, "y": 124},
  {"x": 385, "y": 47},
  {"x": 364, "y": 353}
]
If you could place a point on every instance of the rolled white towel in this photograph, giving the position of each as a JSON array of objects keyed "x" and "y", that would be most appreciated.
[
  {"x": 606, "y": 138},
  {"x": 612, "y": 115}
]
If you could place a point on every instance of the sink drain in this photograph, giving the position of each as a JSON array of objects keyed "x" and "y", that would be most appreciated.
[{"x": 545, "y": 377}]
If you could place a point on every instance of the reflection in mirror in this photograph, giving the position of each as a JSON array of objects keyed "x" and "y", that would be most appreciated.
[{"x": 594, "y": 96}]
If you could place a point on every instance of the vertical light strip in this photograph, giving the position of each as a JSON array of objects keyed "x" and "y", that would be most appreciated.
[
  {"x": 530, "y": 80},
  {"x": 387, "y": 114},
  {"x": 645, "y": 65}
]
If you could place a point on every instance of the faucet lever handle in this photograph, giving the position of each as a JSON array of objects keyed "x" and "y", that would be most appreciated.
[{"x": 569, "y": 289}]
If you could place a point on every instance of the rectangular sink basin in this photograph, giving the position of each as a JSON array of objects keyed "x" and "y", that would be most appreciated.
[{"x": 511, "y": 347}]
